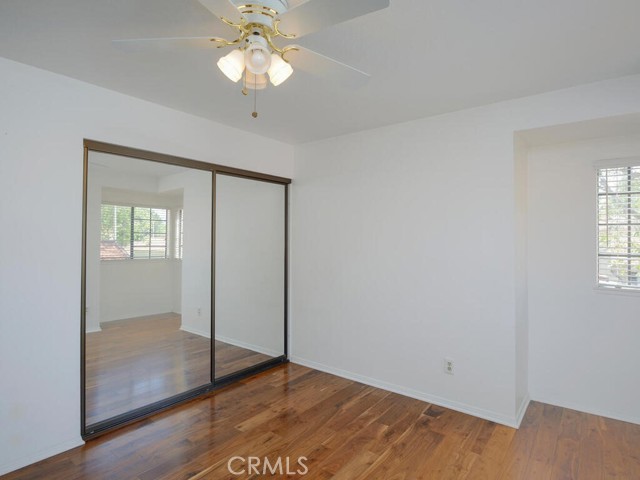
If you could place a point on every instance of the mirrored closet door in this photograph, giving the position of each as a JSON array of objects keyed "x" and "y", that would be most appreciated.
[
  {"x": 184, "y": 280},
  {"x": 250, "y": 273},
  {"x": 148, "y": 283}
]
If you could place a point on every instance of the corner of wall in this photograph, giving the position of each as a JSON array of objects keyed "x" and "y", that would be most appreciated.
[{"x": 521, "y": 276}]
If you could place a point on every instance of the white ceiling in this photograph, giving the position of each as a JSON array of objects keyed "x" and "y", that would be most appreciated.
[{"x": 426, "y": 57}]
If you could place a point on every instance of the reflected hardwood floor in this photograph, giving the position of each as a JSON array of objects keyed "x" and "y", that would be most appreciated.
[
  {"x": 134, "y": 362},
  {"x": 348, "y": 431}
]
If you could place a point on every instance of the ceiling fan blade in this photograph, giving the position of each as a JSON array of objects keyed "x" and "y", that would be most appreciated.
[
  {"x": 223, "y": 8},
  {"x": 169, "y": 43},
  {"x": 315, "y": 15},
  {"x": 318, "y": 64}
]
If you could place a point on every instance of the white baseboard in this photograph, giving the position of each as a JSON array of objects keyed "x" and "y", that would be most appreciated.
[
  {"x": 587, "y": 409},
  {"x": 249, "y": 346},
  {"x": 408, "y": 392},
  {"x": 39, "y": 455},
  {"x": 522, "y": 409},
  {"x": 195, "y": 331},
  {"x": 234, "y": 342},
  {"x": 93, "y": 330}
]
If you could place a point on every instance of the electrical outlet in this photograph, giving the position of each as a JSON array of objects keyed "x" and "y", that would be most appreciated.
[
  {"x": 448, "y": 366},
  {"x": 199, "y": 312}
]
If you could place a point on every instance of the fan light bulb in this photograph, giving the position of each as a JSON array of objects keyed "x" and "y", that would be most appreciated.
[
  {"x": 257, "y": 58},
  {"x": 232, "y": 65},
  {"x": 279, "y": 70}
]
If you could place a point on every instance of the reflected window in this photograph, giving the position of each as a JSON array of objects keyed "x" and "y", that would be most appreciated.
[
  {"x": 179, "y": 240},
  {"x": 130, "y": 232},
  {"x": 619, "y": 227}
]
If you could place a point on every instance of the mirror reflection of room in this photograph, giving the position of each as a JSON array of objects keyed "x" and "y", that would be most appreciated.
[{"x": 148, "y": 283}]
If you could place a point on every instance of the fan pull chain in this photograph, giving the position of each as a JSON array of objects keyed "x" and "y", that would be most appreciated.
[
  {"x": 245, "y": 92},
  {"x": 254, "y": 114}
]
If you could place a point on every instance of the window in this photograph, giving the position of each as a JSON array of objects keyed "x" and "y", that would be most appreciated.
[
  {"x": 179, "y": 234},
  {"x": 619, "y": 227},
  {"x": 129, "y": 232}
]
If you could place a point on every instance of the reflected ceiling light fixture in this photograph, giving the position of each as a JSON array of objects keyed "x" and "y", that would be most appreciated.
[{"x": 258, "y": 23}]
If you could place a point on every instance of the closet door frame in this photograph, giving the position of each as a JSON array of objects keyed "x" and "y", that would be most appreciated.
[{"x": 110, "y": 424}]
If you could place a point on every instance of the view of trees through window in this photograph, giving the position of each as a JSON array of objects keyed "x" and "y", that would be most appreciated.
[
  {"x": 128, "y": 232},
  {"x": 619, "y": 227}
]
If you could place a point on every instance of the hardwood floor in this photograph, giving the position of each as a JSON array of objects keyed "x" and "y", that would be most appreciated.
[
  {"x": 134, "y": 362},
  {"x": 347, "y": 430}
]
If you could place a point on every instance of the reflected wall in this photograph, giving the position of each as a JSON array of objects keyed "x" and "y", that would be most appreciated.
[{"x": 250, "y": 272}]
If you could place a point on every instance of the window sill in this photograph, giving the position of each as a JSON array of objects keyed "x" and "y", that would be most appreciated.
[
  {"x": 124, "y": 260},
  {"x": 617, "y": 291}
]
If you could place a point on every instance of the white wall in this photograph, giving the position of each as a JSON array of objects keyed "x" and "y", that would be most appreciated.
[
  {"x": 195, "y": 274},
  {"x": 403, "y": 254},
  {"x": 136, "y": 288},
  {"x": 521, "y": 275},
  {"x": 250, "y": 264},
  {"x": 584, "y": 343},
  {"x": 43, "y": 119},
  {"x": 92, "y": 267},
  {"x": 406, "y": 249}
]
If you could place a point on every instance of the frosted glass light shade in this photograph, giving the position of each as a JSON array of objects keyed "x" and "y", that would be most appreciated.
[
  {"x": 279, "y": 70},
  {"x": 232, "y": 65},
  {"x": 257, "y": 58},
  {"x": 255, "y": 82}
]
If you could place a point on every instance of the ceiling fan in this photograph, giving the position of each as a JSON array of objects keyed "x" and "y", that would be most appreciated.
[{"x": 259, "y": 26}]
